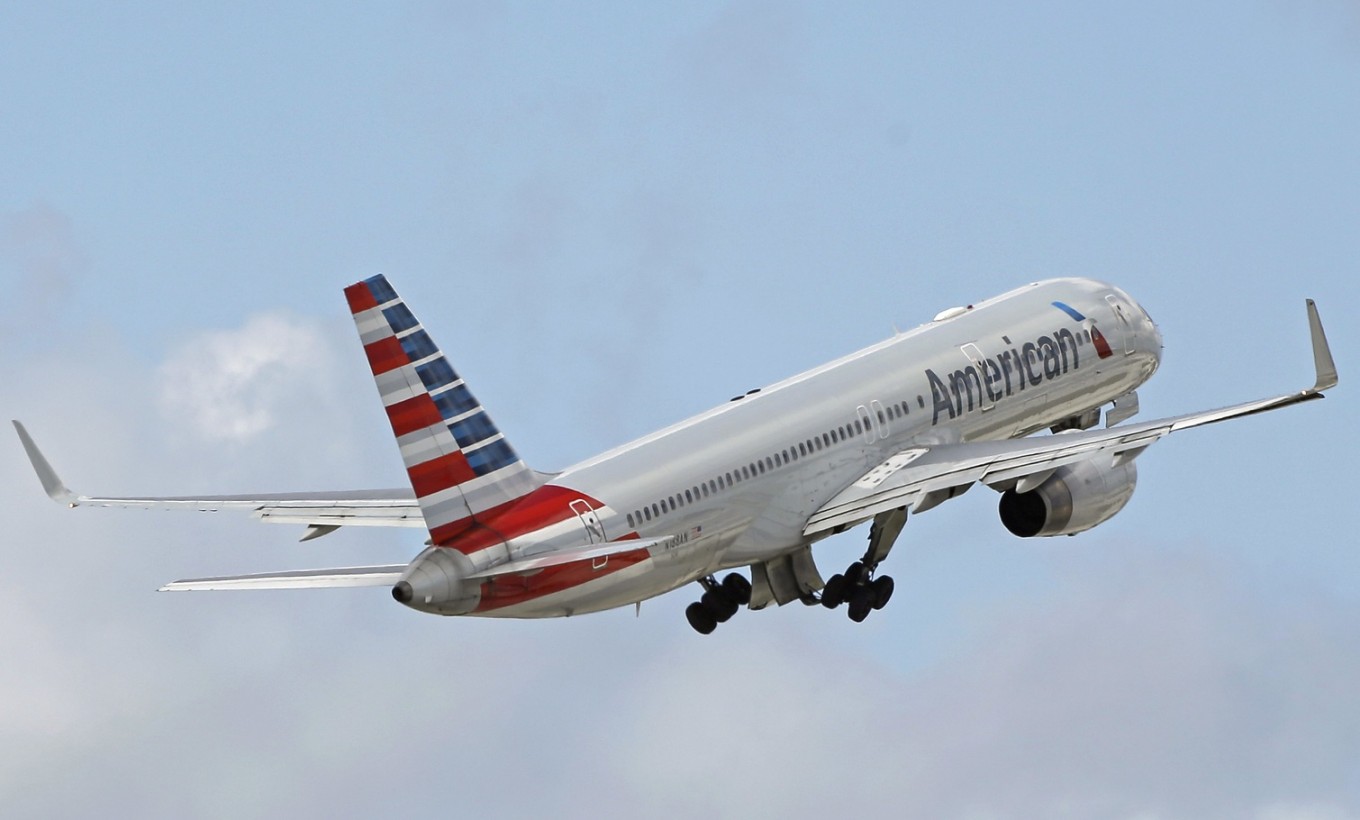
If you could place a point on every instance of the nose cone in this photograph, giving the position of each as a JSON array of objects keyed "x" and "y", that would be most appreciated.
[{"x": 1154, "y": 344}]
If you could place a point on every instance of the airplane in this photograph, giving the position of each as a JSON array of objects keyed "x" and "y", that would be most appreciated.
[{"x": 894, "y": 429}]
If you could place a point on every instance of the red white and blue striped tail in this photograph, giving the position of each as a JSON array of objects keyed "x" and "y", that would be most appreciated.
[{"x": 461, "y": 466}]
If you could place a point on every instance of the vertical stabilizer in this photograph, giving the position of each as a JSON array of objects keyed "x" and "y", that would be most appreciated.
[{"x": 460, "y": 465}]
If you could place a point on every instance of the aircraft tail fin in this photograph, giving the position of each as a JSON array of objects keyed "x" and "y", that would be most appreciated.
[{"x": 460, "y": 465}]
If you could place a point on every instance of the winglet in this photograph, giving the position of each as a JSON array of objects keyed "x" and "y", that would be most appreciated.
[
  {"x": 1322, "y": 352},
  {"x": 51, "y": 483}
]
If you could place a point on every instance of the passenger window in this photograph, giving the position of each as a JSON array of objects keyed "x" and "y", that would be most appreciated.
[
  {"x": 656, "y": 511},
  {"x": 630, "y": 521},
  {"x": 689, "y": 499}
]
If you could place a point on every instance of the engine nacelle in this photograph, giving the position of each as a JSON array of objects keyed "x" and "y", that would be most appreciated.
[
  {"x": 1074, "y": 499},
  {"x": 436, "y": 582}
]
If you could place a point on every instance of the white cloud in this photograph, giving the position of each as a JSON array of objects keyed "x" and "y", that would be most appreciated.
[
  {"x": 40, "y": 249},
  {"x": 1304, "y": 811},
  {"x": 1144, "y": 682},
  {"x": 231, "y": 385}
]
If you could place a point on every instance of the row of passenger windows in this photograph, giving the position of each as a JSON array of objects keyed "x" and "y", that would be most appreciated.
[{"x": 726, "y": 480}]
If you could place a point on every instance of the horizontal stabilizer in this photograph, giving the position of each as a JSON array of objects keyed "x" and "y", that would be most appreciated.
[{"x": 379, "y": 576}]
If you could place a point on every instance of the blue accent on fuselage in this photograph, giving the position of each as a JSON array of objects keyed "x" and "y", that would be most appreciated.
[{"x": 1069, "y": 310}]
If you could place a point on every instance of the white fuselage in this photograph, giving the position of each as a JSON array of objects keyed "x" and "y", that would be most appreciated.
[{"x": 739, "y": 482}]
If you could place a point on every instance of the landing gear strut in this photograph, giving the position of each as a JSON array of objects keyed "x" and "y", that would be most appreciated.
[
  {"x": 858, "y": 587},
  {"x": 719, "y": 602}
]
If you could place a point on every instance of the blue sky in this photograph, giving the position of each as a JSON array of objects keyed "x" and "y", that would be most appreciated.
[{"x": 612, "y": 217}]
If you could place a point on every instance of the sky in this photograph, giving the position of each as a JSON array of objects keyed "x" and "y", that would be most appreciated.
[{"x": 612, "y": 216}]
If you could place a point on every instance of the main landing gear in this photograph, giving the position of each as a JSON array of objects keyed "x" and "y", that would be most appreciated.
[
  {"x": 793, "y": 577},
  {"x": 858, "y": 588},
  {"x": 719, "y": 602}
]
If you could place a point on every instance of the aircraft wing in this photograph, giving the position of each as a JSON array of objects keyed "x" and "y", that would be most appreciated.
[
  {"x": 321, "y": 512},
  {"x": 920, "y": 477}
]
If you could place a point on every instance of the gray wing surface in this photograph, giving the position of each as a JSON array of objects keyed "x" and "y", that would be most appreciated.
[
  {"x": 916, "y": 477},
  {"x": 322, "y": 512}
]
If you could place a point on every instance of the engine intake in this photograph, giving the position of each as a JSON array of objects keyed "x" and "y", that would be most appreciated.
[{"x": 1074, "y": 499}]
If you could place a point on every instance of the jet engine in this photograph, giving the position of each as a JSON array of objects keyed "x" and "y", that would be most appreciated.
[
  {"x": 1074, "y": 499},
  {"x": 436, "y": 582}
]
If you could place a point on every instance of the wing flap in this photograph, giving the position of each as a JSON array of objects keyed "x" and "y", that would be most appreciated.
[{"x": 375, "y": 576}]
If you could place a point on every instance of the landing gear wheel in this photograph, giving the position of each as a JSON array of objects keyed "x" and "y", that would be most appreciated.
[
  {"x": 833, "y": 594},
  {"x": 856, "y": 574},
  {"x": 880, "y": 590},
  {"x": 699, "y": 618},
  {"x": 737, "y": 588},
  {"x": 860, "y": 604},
  {"x": 719, "y": 605}
]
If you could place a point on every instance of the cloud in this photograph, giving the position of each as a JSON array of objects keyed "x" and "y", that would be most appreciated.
[
  {"x": 1146, "y": 680},
  {"x": 745, "y": 63},
  {"x": 231, "y": 385},
  {"x": 1156, "y": 685},
  {"x": 40, "y": 247}
]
